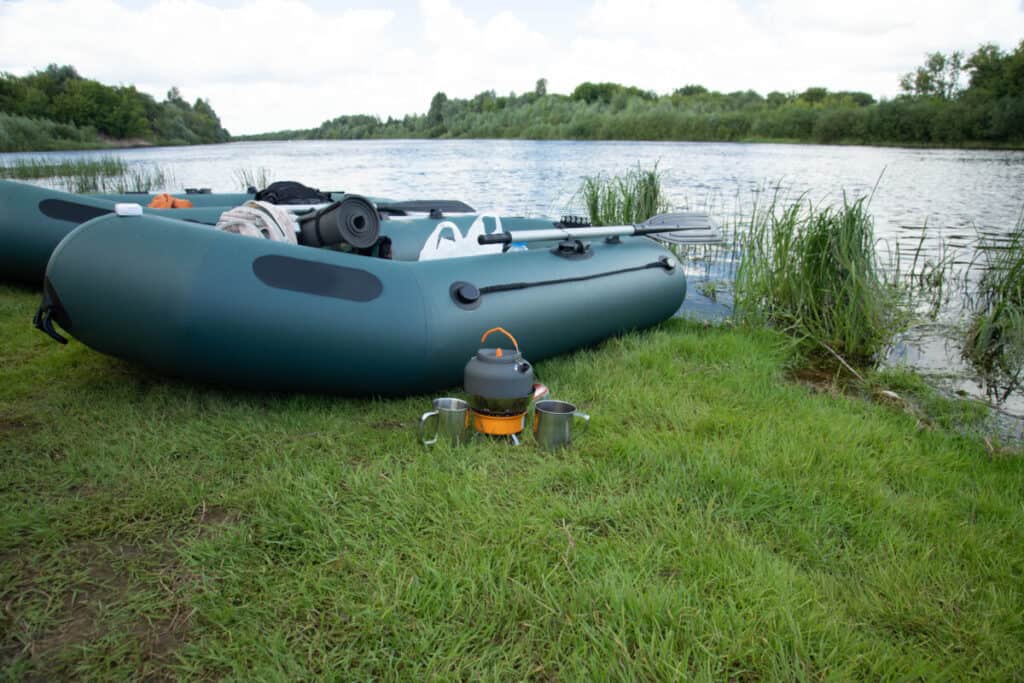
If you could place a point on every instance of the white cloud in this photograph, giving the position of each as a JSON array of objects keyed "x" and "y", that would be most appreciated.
[
  {"x": 271, "y": 64},
  {"x": 792, "y": 44},
  {"x": 267, "y": 54},
  {"x": 467, "y": 57}
]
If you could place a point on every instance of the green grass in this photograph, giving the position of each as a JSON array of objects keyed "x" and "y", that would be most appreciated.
[
  {"x": 717, "y": 522},
  {"x": 994, "y": 341},
  {"x": 625, "y": 199}
]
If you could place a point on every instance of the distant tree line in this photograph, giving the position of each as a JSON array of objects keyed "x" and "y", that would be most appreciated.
[
  {"x": 56, "y": 108},
  {"x": 951, "y": 100}
]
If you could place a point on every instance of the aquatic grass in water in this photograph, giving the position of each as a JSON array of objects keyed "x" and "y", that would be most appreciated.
[
  {"x": 31, "y": 168},
  {"x": 816, "y": 274},
  {"x": 132, "y": 179},
  {"x": 994, "y": 343},
  {"x": 142, "y": 179},
  {"x": 635, "y": 196},
  {"x": 624, "y": 199},
  {"x": 103, "y": 174},
  {"x": 252, "y": 177}
]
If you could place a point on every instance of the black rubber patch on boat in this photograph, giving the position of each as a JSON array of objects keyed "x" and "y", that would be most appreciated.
[
  {"x": 320, "y": 279},
  {"x": 73, "y": 212}
]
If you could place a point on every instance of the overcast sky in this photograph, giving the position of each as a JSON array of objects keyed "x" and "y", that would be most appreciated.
[{"x": 273, "y": 64}]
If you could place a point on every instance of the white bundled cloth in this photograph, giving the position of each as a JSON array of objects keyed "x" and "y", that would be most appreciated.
[{"x": 260, "y": 219}]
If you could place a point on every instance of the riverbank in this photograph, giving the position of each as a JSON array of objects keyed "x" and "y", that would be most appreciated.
[
  {"x": 718, "y": 521},
  {"x": 972, "y": 145},
  {"x": 114, "y": 145}
]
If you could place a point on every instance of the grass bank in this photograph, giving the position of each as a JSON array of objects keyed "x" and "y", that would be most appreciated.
[{"x": 717, "y": 522}]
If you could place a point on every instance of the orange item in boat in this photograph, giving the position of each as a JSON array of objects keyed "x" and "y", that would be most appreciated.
[{"x": 166, "y": 201}]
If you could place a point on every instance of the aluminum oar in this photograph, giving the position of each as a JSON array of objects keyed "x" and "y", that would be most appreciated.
[{"x": 681, "y": 228}]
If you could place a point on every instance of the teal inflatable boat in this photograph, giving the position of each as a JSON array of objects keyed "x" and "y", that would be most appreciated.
[
  {"x": 33, "y": 220},
  {"x": 401, "y": 318}
]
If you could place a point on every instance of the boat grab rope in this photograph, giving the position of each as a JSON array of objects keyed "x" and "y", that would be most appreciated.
[{"x": 664, "y": 262}]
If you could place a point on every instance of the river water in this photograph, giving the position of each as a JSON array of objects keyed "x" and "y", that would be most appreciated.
[
  {"x": 950, "y": 197},
  {"x": 956, "y": 193}
]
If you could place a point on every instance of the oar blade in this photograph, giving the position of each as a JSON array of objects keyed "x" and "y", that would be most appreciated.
[
  {"x": 695, "y": 237},
  {"x": 426, "y": 206},
  {"x": 689, "y": 228}
]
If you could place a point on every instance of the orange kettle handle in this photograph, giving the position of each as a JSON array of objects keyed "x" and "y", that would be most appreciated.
[{"x": 503, "y": 331}]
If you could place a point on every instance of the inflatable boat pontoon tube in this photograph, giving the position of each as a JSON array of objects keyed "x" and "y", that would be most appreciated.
[{"x": 195, "y": 302}]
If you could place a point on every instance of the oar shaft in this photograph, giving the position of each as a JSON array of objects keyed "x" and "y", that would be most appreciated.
[
  {"x": 579, "y": 233},
  {"x": 553, "y": 234}
]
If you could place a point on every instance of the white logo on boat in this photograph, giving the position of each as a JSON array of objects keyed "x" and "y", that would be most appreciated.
[{"x": 447, "y": 241}]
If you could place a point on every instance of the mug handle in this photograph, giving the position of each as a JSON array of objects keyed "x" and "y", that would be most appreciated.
[
  {"x": 423, "y": 422},
  {"x": 586, "y": 421}
]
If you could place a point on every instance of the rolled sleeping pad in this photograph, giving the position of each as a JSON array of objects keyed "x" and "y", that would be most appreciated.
[{"x": 353, "y": 221}]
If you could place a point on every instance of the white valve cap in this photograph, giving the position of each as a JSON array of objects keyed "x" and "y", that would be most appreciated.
[{"x": 126, "y": 209}]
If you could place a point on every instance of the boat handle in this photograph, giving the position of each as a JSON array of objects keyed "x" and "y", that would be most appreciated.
[{"x": 43, "y": 320}]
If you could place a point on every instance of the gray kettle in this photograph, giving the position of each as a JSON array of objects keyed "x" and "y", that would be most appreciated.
[{"x": 500, "y": 385}]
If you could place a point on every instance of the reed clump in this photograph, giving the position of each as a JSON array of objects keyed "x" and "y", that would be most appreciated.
[
  {"x": 142, "y": 179},
  {"x": 632, "y": 197},
  {"x": 258, "y": 177},
  {"x": 816, "y": 273},
  {"x": 994, "y": 343},
  {"x": 99, "y": 174},
  {"x": 131, "y": 179},
  {"x": 31, "y": 168}
]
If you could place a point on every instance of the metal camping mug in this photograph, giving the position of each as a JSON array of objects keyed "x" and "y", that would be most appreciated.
[
  {"x": 452, "y": 416},
  {"x": 552, "y": 423}
]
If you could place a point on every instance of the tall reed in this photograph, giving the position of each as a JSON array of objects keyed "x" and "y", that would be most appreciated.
[
  {"x": 816, "y": 273},
  {"x": 994, "y": 343},
  {"x": 258, "y": 177},
  {"x": 143, "y": 179},
  {"x": 101, "y": 174},
  {"x": 624, "y": 199},
  {"x": 130, "y": 179},
  {"x": 30, "y": 168}
]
